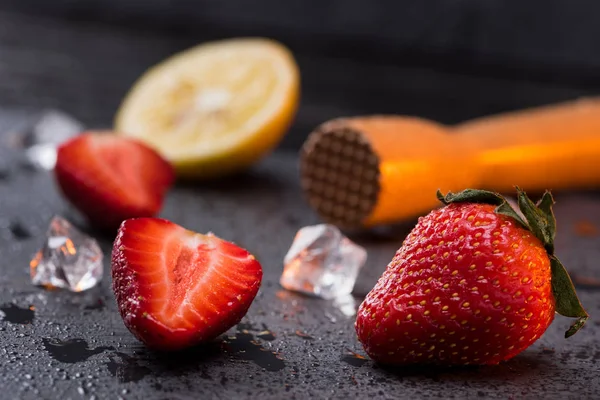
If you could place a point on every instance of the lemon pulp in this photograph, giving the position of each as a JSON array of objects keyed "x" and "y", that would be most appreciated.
[{"x": 215, "y": 108}]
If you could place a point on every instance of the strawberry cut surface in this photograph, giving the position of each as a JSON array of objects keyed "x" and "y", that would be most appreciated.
[
  {"x": 110, "y": 178},
  {"x": 176, "y": 288}
]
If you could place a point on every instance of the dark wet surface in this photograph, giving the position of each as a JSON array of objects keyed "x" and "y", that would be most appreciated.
[
  {"x": 4, "y": 173},
  {"x": 126, "y": 368},
  {"x": 266, "y": 335},
  {"x": 17, "y": 315},
  {"x": 71, "y": 350},
  {"x": 243, "y": 345},
  {"x": 354, "y": 360},
  {"x": 57, "y": 344},
  {"x": 303, "y": 335},
  {"x": 19, "y": 231}
]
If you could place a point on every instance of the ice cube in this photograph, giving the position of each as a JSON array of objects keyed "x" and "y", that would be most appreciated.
[
  {"x": 45, "y": 133},
  {"x": 69, "y": 259},
  {"x": 322, "y": 262}
]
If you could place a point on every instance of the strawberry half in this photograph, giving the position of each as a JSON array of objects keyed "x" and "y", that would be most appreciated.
[
  {"x": 176, "y": 288},
  {"x": 110, "y": 178}
]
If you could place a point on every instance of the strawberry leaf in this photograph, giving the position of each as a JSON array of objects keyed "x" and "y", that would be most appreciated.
[
  {"x": 484, "y": 197},
  {"x": 471, "y": 196},
  {"x": 506, "y": 209},
  {"x": 567, "y": 303},
  {"x": 577, "y": 325},
  {"x": 545, "y": 205},
  {"x": 540, "y": 219}
]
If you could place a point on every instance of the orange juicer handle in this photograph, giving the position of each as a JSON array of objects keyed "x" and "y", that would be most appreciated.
[
  {"x": 551, "y": 147},
  {"x": 547, "y": 148}
]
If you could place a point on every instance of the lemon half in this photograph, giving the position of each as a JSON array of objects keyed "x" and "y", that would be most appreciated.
[{"x": 215, "y": 108}]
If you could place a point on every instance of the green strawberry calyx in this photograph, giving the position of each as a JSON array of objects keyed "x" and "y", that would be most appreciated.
[{"x": 539, "y": 219}]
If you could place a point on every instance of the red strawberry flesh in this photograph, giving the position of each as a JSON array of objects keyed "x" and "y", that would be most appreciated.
[
  {"x": 110, "y": 178},
  {"x": 176, "y": 288}
]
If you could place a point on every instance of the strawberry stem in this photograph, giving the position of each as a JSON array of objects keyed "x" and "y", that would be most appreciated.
[{"x": 539, "y": 219}]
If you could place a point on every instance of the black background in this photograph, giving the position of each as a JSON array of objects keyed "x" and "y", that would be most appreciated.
[{"x": 449, "y": 60}]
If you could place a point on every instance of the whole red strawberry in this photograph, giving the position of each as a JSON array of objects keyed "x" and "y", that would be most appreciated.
[
  {"x": 176, "y": 288},
  {"x": 473, "y": 283},
  {"x": 111, "y": 178}
]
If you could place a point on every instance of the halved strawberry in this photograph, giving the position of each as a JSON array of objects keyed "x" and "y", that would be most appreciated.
[
  {"x": 110, "y": 178},
  {"x": 176, "y": 288}
]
